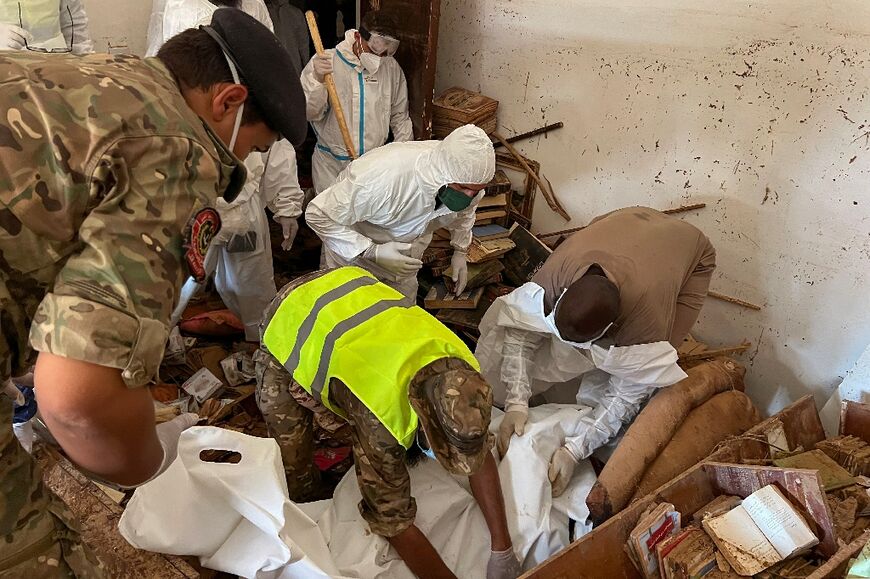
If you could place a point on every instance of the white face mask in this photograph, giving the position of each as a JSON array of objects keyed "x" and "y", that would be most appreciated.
[
  {"x": 550, "y": 320},
  {"x": 370, "y": 62},
  {"x": 241, "y": 110}
]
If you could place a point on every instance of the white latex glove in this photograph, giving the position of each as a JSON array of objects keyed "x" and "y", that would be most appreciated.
[
  {"x": 290, "y": 227},
  {"x": 322, "y": 65},
  {"x": 234, "y": 221},
  {"x": 389, "y": 255},
  {"x": 561, "y": 470},
  {"x": 459, "y": 264},
  {"x": 503, "y": 565},
  {"x": 514, "y": 422},
  {"x": 13, "y": 37},
  {"x": 168, "y": 434}
]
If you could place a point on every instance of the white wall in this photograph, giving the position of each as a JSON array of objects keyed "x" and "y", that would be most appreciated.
[
  {"x": 118, "y": 26},
  {"x": 756, "y": 108}
]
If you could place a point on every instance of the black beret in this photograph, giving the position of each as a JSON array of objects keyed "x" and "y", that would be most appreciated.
[{"x": 266, "y": 68}]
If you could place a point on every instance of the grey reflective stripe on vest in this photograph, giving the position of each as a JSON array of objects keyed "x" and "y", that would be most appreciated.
[
  {"x": 308, "y": 324},
  {"x": 339, "y": 330}
]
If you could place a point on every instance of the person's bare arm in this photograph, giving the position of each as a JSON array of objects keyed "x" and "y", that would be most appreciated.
[
  {"x": 103, "y": 426},
  {"x": 486, "y": 488},
  {"x": 419, "y": 554}
]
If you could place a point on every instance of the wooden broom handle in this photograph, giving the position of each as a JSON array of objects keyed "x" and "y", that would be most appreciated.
[{"x": 330, "y": 87}]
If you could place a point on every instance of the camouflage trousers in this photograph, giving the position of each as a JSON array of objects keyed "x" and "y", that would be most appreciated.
[
  {"x": 39, "y": 538},
  {"x": 379, "y": 460}
]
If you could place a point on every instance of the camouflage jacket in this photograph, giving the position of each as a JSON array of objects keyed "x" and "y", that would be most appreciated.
[{"x": 102, "y": 165}]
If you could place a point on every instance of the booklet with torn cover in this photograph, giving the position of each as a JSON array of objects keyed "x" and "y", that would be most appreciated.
[{"x": 764, "y": 530}]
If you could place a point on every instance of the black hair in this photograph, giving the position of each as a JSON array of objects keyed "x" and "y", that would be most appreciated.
[
  {"x": 197, "y": 62},
  {"x": 378, "y": 21}
]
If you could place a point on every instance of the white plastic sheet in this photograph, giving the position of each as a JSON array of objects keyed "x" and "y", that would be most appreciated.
[
  {"x": 235, "y": 517},
  {"x": 449, "y": 516}
]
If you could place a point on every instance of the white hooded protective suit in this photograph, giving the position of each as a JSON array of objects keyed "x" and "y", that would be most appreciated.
[
  {"x": 390, "y": 195},
  {"x": 245, "y": 278},
  {"x": 373, "y": 101},
  {"x": 54, "y": 24},
  {"x": 521, "y": 354}
]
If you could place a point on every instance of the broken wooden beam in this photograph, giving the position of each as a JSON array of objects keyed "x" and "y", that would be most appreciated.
[
  {"x": 684, "y": 208},
  {"x": 671, "y": 211},
  {"x": 533, "y": 133},
  {"x": 733, "y": 300},
  {"x": 545, "y": 186},
  {"x": 706, "y": 354}
]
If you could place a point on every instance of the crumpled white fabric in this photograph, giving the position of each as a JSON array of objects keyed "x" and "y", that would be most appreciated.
[
  {"x": 520, "y": 355},
  {"x": 449, "y": 516},
  {"x": 170, "y": 17},
  {"x": 389, "y": 194}
]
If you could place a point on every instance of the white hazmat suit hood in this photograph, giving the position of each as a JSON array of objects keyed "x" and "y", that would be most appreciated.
[{"x": 466, "y": 156}]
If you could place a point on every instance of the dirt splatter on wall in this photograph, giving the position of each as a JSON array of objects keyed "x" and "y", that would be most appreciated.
[{"x": 759, "y": 110}]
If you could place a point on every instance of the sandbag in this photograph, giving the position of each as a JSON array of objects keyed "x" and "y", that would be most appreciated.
[
  {"x": 726, "y": 414},
  {"x": 653, "y": 429}
]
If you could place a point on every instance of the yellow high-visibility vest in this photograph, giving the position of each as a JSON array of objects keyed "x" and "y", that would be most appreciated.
[{"x": 346, "y": 324}]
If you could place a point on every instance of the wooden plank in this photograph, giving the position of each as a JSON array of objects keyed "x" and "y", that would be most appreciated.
[
  {"x": 733, "y": 300},
  {"x": 99, "y": 516},
  {"x": 802, "y": 487},
  {"x": 544, "y": 184},
  {"x": 855, "y": 420},
  {"x": 684, "y": 208},
  {"x": 837, "y": 565},
  {"x": 704, "y": 354}
]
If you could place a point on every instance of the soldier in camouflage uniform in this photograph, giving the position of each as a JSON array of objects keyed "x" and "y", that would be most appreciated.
[
  {"x": 453, "y": 404},
  {"x": 105, "y": 162}
]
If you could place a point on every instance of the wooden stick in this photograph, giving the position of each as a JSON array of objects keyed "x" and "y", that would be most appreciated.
[
  {"x": 546, "y": 189},
  {"x": 717, "y": 352},
  {"x": 667, "y": 211},
  {"x": 733, "y": 300},
  {"x": 684, "y": 208},
  {"x": 330, "y": 88},
  {"x": 532, "y": 133}
]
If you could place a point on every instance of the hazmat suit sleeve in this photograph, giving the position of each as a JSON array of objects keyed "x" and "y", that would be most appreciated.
[
  {"x": 460, "y": 228},
  {"x": 518, "y": 351},
  {"x": 693, "y": 293},
  {"x": 74, "y": 26},
  {"x": 400, "y": 120},
  {"x": 316, "y": 97},
  {"x": 279, "y": 184},
  {"x": 636, "y": 372},
  {"x": 333, "y": 213}
]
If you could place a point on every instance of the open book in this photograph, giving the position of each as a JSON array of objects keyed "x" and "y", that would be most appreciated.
[{"x": 764, "y": 530}]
